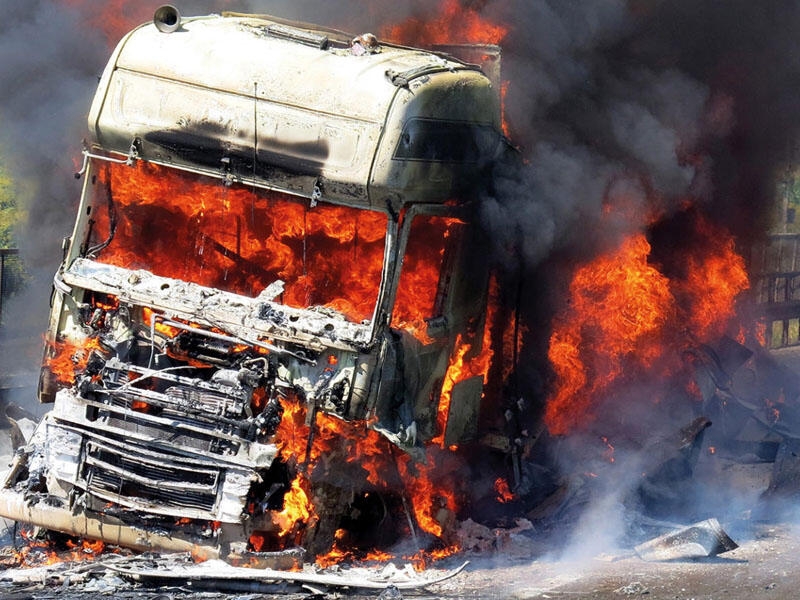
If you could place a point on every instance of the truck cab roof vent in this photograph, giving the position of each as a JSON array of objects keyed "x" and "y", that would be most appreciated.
[{"x": 300, "y": 36}]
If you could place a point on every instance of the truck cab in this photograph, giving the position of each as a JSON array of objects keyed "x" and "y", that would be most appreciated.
[{"x": 275, "y": 218}]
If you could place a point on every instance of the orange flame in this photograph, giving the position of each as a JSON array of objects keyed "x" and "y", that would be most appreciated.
[
  {"x": 419, "y": 279},
  {"x": 463, "y": 367},
  {"x": 431, "y": 501},
  {"x": 422, "y": 559},
  {"x": 624, "y": 315},
  {"x": 456, "y": 372},
  {"x": 336, "y": 554},
  {"x": 431, "y": 497},
  {"x": 503, "y": 490},
  {"x": 297, "y": 508},
  {"x": 618, "y": 307},
  {"x": 453, "y": 23},
  {"x": 240, "y": 240},
  {"x": 39, "y": 552},
  {"x": 65, "y": 359},
  {"x": 716, "y": 274}
]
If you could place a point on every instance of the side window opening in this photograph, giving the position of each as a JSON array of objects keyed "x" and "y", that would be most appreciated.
[
  {"x": 445, "y": 141},
  {"x": 425, "y": 276}
]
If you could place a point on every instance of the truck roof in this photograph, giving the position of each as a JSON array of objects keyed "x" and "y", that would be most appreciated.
[{"x": 256, "y": 100}]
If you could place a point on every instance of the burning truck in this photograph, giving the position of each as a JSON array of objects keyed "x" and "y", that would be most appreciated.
[{"x": 274, "y": 301}]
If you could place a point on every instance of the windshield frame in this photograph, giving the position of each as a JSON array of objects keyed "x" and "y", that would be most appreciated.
[{"x": 92, "y": 202}]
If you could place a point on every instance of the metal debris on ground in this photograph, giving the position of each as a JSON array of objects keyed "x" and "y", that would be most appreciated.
[
  {"x": 111, "y": 574},
  {"x": 702, "y": 539},
  {"x": 635, "y": 588},
  {"x": 92, "y": 576},
  {"x": 221, "y": 575}
]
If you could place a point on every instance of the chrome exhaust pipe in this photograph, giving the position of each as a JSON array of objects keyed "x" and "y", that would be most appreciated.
[{"x": 167, "y": 18}]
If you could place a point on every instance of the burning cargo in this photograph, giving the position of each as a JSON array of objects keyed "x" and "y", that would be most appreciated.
[{"x": 273, "y": 299}]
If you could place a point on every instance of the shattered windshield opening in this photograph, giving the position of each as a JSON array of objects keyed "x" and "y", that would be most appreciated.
[
  {"x": 236, "y": 238},
  {"x": 423, "y": 281}
]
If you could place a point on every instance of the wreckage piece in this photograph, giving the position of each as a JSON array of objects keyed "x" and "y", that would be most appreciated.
[
  {"x": 283, "y": 560},
  {"x": 221, "y": 572},
  {"x": 785, "y": 481},
  {"x": 779, "y": 500},
  {"x": 700, "y": 540},
  {"x": 669, "y": 468}
]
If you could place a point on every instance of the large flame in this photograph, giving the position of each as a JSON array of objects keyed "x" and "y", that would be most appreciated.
[
  {"x": 624, "y": 316},
  {"x": 715, "y": 274},
  {"x": 240, "y": 240}
]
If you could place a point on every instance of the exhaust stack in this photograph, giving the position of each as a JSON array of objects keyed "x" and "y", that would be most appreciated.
[{"x": 167, "y": 18}]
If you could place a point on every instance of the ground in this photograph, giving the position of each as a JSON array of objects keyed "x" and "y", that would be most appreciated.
[{"x": 763, "y": 567}]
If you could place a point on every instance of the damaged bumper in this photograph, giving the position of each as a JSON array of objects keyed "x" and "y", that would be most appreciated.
[{"x": 41, "y": 512}]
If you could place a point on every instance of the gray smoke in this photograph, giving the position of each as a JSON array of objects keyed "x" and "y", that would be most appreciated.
[
  {"x": 597, "y": 129},
  {"x": 46, "y": 83},
  {"x": 49, "y": 68}
]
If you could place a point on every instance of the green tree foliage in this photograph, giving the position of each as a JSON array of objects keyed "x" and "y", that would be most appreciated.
[{"x": 12, "y": 276}]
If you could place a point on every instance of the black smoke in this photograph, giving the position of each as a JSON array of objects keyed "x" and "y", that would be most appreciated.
[{"x": 654, "y": 102}]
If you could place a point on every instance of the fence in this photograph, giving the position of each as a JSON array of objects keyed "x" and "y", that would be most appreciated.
[{"x": 776, "y": 284}]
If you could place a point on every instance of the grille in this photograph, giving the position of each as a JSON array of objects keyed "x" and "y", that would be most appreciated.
[{"x": 156, "y": 481}]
